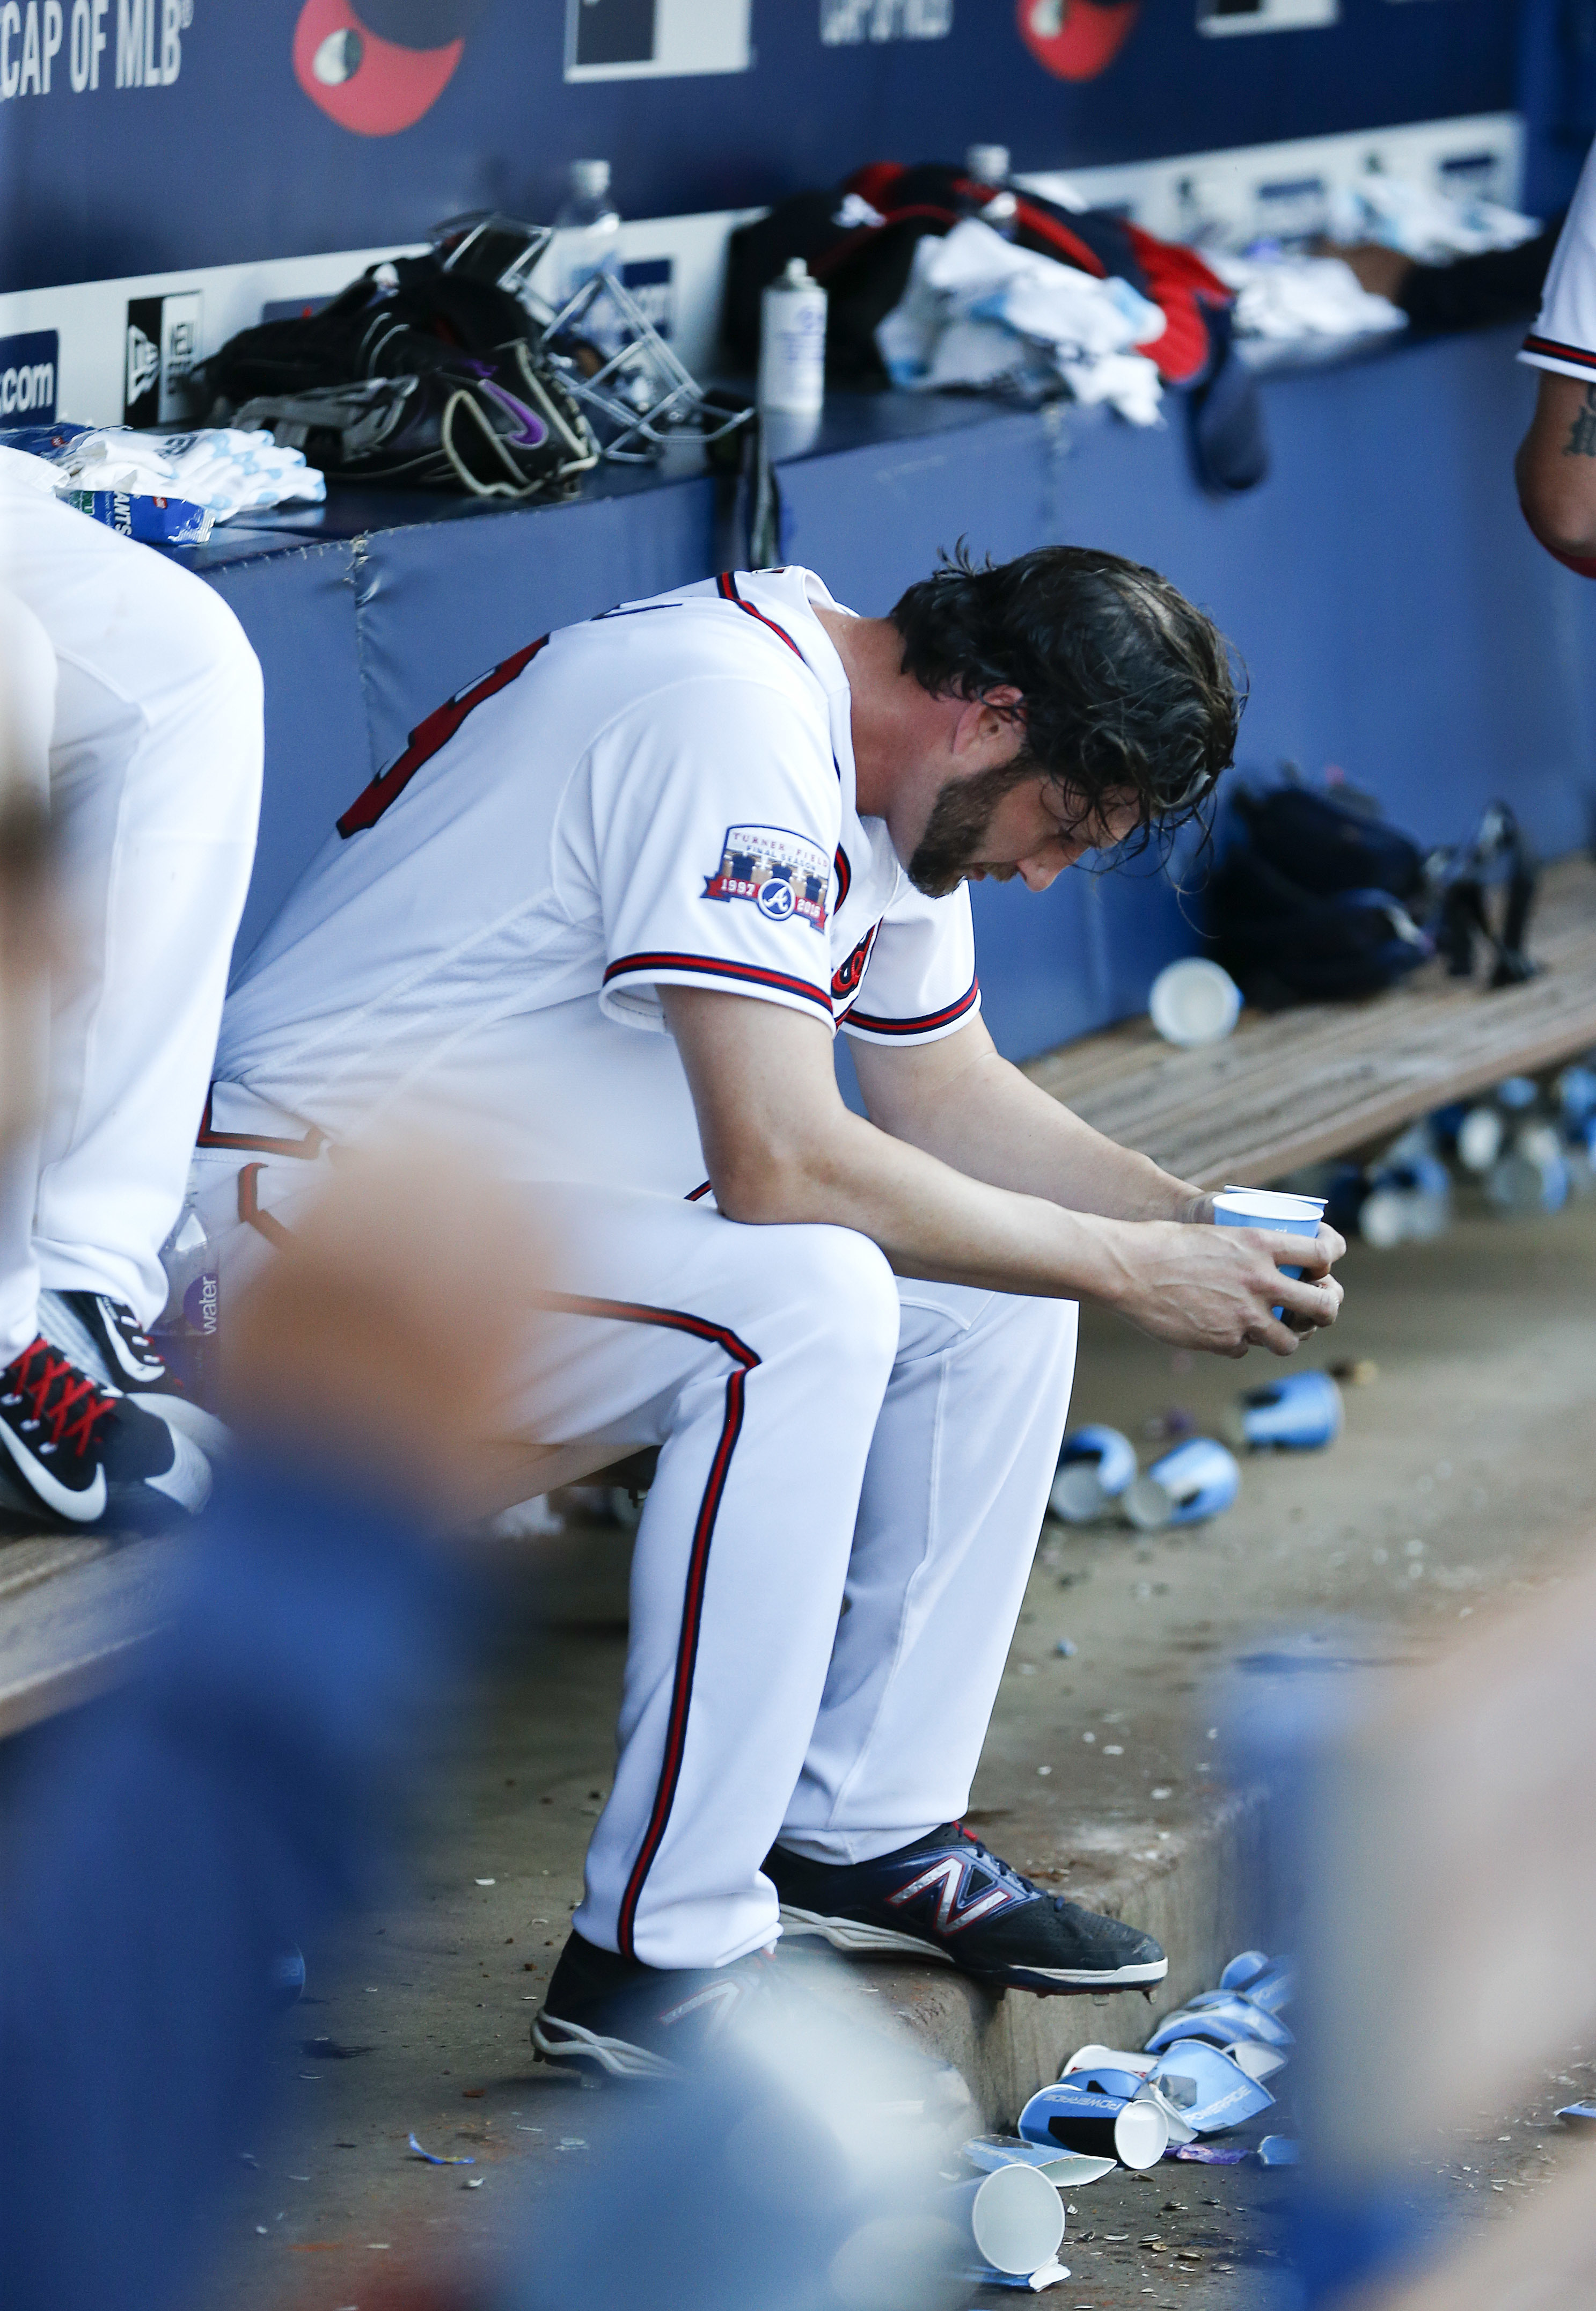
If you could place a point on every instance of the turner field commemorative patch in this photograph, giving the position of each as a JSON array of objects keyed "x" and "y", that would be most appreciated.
[{"x": 784, "y": 874}]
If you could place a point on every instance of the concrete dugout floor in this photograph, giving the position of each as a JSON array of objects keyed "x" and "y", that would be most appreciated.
[{"x": 1462, "y": 1481}]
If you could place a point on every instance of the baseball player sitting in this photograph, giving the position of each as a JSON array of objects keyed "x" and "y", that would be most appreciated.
[
  {"x": 131, "y": 727},
  {"x": 613, "y": 902}
]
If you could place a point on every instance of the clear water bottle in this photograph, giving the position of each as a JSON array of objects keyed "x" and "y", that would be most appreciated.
[
  {"x": 589, "y": 226},
  {"x": 185, "y": 1331}
]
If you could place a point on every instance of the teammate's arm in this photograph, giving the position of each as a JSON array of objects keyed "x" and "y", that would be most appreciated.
[
  {"x": 781, "y": 1147},
  {"x": 1556, "y": 469}
]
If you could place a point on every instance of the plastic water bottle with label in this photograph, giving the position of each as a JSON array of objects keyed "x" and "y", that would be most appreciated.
[
  {"x": 792, "y": 343},
  {"x": 589, "y": 229},
  {"x": 186, "y": 1330}
]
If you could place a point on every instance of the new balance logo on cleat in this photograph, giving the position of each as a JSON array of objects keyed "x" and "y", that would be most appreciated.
[
  {"x": 952, "y": 1876},
  {"x": 947, "y": 1899}
]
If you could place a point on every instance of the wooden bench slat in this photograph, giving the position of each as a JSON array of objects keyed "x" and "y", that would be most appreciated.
[{"x": 1291, "y": 1087}]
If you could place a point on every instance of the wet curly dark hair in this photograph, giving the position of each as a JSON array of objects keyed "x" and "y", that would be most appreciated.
[{"x": 1127, "y": 688}]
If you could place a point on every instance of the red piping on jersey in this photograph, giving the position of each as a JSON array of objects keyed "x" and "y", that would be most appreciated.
[
  {"x": 743, "y": 1362},
  {"x": 306, "y": 1149},
  {"x": 250, "y": 1212},
  {"x": 694, "y": 1194},
  {"x": 727, "y": 585},
  {"x": 922, "y": 1026},
  {"x": 1554, "y": 351},
  {"x": 714, "y": 967},
  {"x": 428, "y": 738},
  {"x": 844, "y": 873}
]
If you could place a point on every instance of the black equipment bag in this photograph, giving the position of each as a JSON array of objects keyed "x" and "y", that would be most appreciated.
[
  {"x": 1497, "y": 853},
  {"x": 1309, "y": 902},
  {"x": 415, "y": 375}
]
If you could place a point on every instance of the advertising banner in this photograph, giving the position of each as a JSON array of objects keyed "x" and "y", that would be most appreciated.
[{"x": 153, "y": 136}]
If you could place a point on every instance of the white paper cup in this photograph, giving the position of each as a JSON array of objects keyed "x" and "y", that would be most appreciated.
[
  {"x": 1195, "y": 1002},
  {"x": 1015, "y": 2216}
]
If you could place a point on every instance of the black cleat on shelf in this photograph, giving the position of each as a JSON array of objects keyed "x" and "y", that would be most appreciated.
[{"x": 946, "y": 1897}]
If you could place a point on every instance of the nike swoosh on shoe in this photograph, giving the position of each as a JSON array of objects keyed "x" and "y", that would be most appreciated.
[{"x": 82, "y": 1507}]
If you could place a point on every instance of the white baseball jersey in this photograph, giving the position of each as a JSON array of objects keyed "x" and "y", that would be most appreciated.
[
  {"x": 665, "y": 796},
  {"x": 662, "y": 797},
  {"x": 1563, "y": 337}
]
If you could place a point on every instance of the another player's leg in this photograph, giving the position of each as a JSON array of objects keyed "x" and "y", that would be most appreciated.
[
  {"x": 756, "y": 1359},
  {"x": 155, "y": 773},
  {"x": 871, "y": 1854},
  {"x": 73, "y": 1453}
]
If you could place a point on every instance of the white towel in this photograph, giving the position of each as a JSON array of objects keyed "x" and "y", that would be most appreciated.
[{"x": 219, "y": 466}]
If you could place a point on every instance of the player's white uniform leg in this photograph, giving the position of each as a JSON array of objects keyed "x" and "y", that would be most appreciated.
[
  {"x": 952, "y": 1502},
  {"x": 765, "y": 1406},
  {"x": 27, "y": 717},
  {"x": 155, "y": 768},
  {"x": 756, "y": 1358}
]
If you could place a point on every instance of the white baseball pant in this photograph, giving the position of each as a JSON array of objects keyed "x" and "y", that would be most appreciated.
[
  {"x": 852, "y": 1478},
  {"x": 148, "y": 756}
]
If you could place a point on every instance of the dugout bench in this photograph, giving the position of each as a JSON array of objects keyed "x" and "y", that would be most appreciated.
[{"x": 1285, "y": 1089}]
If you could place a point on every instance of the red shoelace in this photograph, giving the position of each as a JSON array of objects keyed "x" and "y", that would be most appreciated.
[{"x": 65, "y": 1401}]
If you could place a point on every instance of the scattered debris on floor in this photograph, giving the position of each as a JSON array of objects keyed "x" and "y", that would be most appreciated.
[{"x": 435, "y": 2159}]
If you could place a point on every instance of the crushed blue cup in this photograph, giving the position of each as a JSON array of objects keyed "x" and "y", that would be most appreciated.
[
  {"x": 1211, "y": 2093},
  {"x": 1095, "y": 1465},
  {"x": 1299, "y": 1413},
  {"x": 1197, "y": 1480}
]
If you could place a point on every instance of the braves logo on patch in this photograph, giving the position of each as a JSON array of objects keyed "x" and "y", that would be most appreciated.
[{"x": 784, "y": 874}]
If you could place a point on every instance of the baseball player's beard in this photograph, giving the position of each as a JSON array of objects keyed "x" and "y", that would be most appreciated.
[{"x": 956, "y": 828}]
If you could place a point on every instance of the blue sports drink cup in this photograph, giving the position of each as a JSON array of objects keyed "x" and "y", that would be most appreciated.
[
  {"x": 1095, "y": 1465},
  {"x": 1195, "y": 1481},
  {"x": 1267, "y": 1208},
  {"x": 1299, "y": 1413},
  {"x": 1103, "y": 2126}
]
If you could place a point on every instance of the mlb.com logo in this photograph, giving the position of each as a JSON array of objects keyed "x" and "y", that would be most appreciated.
[{"x": 28, "y": 370}]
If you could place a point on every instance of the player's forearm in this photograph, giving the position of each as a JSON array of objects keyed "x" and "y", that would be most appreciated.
[
  {"x": 930, "y": 1219},
  {"x": 1556, "y": 469},
  {"x": 987, "y": 1120}
]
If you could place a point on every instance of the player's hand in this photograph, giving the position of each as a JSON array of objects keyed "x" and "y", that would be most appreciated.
[{"x": 1216, "y": 1288}]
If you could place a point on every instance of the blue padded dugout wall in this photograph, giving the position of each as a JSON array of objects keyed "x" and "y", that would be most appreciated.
[{"x": 1395, "y": 615}]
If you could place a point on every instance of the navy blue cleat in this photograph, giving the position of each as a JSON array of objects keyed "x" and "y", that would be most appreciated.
[{"x": 946, "y": 1897}]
